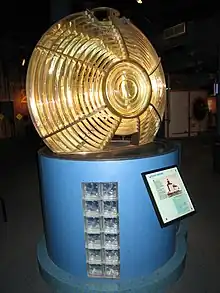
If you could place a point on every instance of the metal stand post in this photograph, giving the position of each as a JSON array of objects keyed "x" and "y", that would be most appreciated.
[{"x": 216, "y": 148}]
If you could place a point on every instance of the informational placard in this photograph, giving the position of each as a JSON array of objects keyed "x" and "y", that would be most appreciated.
[{"x": 169, "y": 195}]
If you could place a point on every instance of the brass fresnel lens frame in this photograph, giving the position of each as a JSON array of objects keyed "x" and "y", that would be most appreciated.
[{"x": 89, "y": 80}]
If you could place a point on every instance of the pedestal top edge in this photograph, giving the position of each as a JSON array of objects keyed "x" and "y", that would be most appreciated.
[{"x": 156, "y": 148}]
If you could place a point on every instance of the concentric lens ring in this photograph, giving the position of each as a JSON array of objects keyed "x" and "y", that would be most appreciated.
[{"x": 127, "y": 89}]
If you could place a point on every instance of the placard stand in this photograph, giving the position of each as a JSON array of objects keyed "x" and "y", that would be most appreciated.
[{"x": 169, "y": 195}]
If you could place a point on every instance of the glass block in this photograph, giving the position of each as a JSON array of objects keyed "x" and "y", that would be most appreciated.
[
  {"x": 111, "y": 257},
  {"x": 94, "y": 241},
  {"x": 91, "y": 191},
  {"x": 110, "y": 225},
  {"x": 92, "y": 208},
  {"x": 112, "y": 271},
  {"x": 95, "y": 270},
  {"x": 111, "y": 241},
  {"x": 92, "y": 225},
  {"x": 100, "y": 203},
  {"x": 110, "y": 208},
  {"x": 109, "y": 191},
  {"x": 94, "y": 256}
]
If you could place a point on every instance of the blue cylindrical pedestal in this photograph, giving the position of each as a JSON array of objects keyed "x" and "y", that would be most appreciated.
[{"x": 151, "y": 257}]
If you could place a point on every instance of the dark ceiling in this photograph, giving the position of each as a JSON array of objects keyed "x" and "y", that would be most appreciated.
[
  {"x": 18, "y": 16},
  {"x": 26, "y": 23},
  {"x": 159, "y": 13}
]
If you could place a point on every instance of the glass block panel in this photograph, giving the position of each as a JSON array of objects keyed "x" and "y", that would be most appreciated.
[{"x": 101, "y": 218}]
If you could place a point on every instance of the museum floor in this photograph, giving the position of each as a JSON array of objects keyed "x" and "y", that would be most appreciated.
[{"x": 18, "y": 237}]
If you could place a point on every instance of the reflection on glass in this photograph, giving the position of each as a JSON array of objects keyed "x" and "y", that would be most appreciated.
[
  {"x": 91, "y": 190},
  {"x": 110, "y": 208},
  {"x": 111, "y": 225},
  {"x": 109, "y": 191},
  {"x": 94, "y": 256},
  {"x": 111, "y": 241},
  {"x": 95, "y": 270},
  {"x": 94, "y": 241},
  {"x": 111, "y": 256},
  {"x": 92, "y": 208},
  {"x": 112, "y": 271},
  {"x": 92, "y": 225}
]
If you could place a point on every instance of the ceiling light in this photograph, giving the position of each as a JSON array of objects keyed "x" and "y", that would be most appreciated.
[{"x": 139, "y": 1}]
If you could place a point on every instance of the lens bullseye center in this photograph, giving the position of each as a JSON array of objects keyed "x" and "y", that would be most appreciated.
[{"x": 128, "y": 90}]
